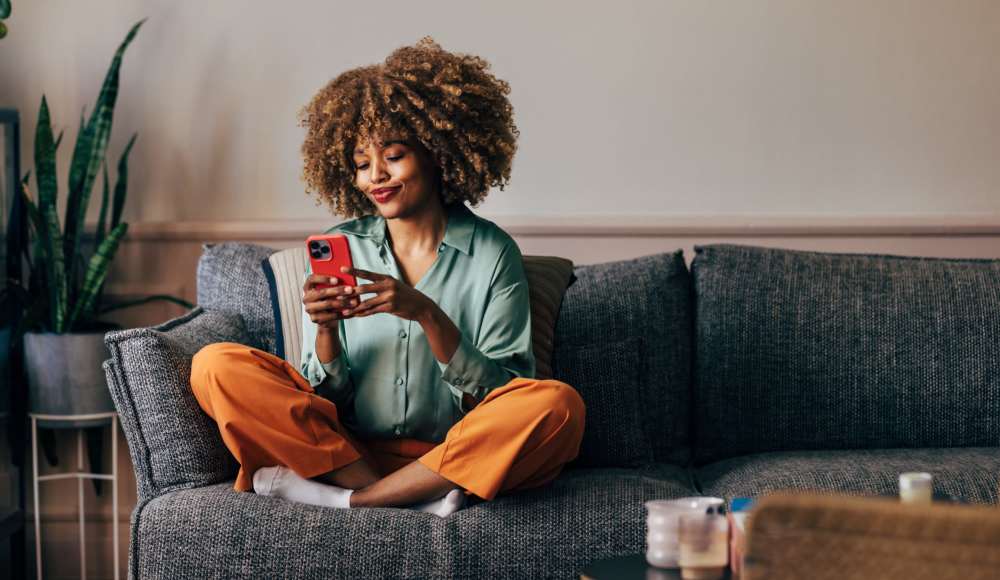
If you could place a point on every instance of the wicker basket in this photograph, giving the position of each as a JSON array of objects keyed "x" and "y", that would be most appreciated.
[{"x": 809, "y": 536}]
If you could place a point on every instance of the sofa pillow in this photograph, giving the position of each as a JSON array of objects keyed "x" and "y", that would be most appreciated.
[
  {"x": 623, "y": 341},
  {"x": 548, "y": 278},
  {"x": 176, "y": 444},
  {"x": 230, "y": 280},
  {"x": 803, "y": 350}
]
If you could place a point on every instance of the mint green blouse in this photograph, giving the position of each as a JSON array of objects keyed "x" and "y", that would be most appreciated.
[{"x": 386, "y": 382}]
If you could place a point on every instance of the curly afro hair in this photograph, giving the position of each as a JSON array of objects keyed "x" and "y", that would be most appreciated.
[{"x": 449, "y": 103}]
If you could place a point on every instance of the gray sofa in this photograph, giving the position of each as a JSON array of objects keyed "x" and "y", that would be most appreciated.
[{"x": 758, "y": 369}]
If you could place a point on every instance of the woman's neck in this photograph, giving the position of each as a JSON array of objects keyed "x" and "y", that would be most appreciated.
[{"x": 420, "y": 233}]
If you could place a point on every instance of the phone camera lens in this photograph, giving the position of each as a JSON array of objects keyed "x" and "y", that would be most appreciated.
[
  {"x": 314, "y": 244},
  {"x": 325, "y": 249}
]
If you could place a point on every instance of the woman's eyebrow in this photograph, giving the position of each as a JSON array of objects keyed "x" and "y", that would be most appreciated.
[{"x": 360, "y": 151}]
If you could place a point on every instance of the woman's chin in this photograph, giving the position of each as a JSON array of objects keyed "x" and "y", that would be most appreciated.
[{"x": 388, "y": 210}]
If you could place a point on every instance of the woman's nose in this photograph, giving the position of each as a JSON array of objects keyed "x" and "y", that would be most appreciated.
[{"x": 378, "y": 172}]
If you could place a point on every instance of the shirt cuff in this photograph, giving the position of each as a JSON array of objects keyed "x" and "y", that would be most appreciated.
[
  {"x": 464, "y": 372},
  {"x": 335, "y": 371}
]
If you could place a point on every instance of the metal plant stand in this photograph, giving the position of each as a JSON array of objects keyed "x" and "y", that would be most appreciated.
[{"x": 80, "y": 475}]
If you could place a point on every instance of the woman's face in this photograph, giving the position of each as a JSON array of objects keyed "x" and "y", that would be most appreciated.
[{"x": 398, "y": 177}]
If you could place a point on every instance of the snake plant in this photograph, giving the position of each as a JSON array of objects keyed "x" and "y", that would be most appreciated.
[{"x": 64, "y": 287}]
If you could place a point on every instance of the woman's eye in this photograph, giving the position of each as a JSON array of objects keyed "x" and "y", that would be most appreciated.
[{"x": 396, "y": 158}]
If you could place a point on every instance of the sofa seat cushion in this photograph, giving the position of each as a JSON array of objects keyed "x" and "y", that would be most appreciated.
[
  {"x": 215, "y": 532},
  {"x": 969, "y": 474}
]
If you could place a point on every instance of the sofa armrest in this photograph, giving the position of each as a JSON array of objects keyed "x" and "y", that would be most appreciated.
[{"x": 174, "y": 444}]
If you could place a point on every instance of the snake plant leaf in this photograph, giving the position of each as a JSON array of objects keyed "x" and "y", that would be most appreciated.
[
  {"x": 97, "y": 271},
  {"x": 59, "y": 140},
  {"x": 36, "y": 221},
  {"x": 121, "y": 186},
  {"x": 45, "y": 177},
  {"x": 103, "y": 217},
  {"x": 45, "y": 158},
  {"x": 91, "y": 146},
  {"x": 4, "y": 8},
  {"x": 57, "y": 278},
  {"x": 47, "y": 247}
]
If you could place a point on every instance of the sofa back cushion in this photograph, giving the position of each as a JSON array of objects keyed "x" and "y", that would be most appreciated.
[
  {"x": 623, "y": 340},
  {"x": 231, "y": 280},
  {"x": 799, "y": 350}
]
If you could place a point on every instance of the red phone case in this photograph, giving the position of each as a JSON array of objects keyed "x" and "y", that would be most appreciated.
[{"x": 341, "y": 256}]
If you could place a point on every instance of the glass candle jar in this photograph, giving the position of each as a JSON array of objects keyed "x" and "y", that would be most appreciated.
[
  {"x": 704, "y": 546},
  {"x": 916, "y": 487},
  {"x": 661, "y": 526}
]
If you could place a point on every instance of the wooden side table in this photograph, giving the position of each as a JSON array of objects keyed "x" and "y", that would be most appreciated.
[{"x": 80, "y": 475}]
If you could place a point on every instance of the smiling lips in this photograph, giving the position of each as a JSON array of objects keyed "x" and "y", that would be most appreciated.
[{"x": 382, "y": 195}]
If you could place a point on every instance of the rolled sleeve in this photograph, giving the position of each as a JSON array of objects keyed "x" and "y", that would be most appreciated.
[
  {"x": 503, "y": 348},
  {"x": 470, "y": 371}
]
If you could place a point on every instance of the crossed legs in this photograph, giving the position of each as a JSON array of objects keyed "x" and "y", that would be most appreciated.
[{"x": 518, "y": 437}]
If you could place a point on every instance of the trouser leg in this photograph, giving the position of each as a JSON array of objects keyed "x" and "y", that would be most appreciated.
[
  {"x": 520, "y": 436},
  {"x": 268, "y": 414}
]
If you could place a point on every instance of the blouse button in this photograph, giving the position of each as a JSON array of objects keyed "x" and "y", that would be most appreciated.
[
  {"x": 402, "y": 334},
  {"x": 458, "y": 382},
  {"x": 399, "y": 430},
  {"x": 399, "y": 380}
]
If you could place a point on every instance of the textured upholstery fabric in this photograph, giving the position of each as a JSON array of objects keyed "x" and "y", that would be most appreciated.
[
  {"x": 548, "y": 278},
  {"x": 550, "y": 532},
  {"x": 173, "y": 443},
  {"x": 825, "y": 350},
  {"x": 810, "y": 350},
  {"x": 623, "y": 340},
  {"x": 968, "y": 474},
  {"x": 230, "y": 279}
]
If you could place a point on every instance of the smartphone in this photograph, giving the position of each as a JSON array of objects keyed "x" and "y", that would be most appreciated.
[{"x": 327, "y": 253}]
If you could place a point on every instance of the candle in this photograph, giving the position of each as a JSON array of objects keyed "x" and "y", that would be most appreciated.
[
  {"x": 704, "y": 546},
  {"x": 915, "y": 487}
]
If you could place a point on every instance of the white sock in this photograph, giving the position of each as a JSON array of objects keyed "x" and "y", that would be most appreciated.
[
  {"x": 279, "y": 481},
  {"x": 444, "y": 506}
]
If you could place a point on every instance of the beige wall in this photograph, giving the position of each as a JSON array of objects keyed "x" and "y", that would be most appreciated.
[{"x": 656, "y": 107}]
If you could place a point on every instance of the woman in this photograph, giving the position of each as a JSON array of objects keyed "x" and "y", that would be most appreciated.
[{"x": 422, "y": 392}]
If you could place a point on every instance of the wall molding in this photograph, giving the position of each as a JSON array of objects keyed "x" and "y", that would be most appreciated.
[{"x": 619, "y": 225}]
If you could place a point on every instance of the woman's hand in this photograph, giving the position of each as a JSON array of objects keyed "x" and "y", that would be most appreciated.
[
  {"x": 391, "y": 296},
  {"x": 326, "y": 306}
]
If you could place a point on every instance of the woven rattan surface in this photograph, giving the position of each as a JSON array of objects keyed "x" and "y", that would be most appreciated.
[{"x": 827, "y": 536}]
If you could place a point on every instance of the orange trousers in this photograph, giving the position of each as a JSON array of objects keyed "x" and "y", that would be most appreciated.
[{"x": 519, "y": 436}]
